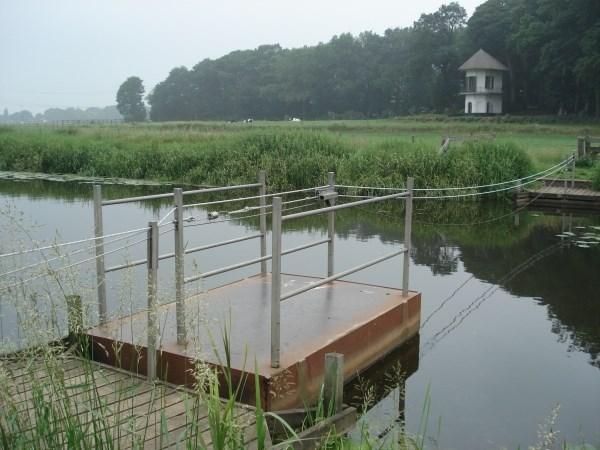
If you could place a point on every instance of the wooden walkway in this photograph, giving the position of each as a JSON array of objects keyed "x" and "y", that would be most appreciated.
[
  {"x": 44, "y": 404},
  {"x": 556, "y": 196}
]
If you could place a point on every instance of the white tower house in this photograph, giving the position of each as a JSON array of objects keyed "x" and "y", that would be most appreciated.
[{"x": 483, "y": 84}]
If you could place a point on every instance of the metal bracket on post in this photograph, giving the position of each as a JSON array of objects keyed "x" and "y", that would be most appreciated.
[
  {"x": 407, "y": 234},
  {"x": 179, "y": 267},
  {"x": 332, "y": 195},
  {"x": 98, "y": 233},
  {"x": 152, "y": 299},
  {"x": 276, "y": 284},
  {"x": 262, "y": 191}
]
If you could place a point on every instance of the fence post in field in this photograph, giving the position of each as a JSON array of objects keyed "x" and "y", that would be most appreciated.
[
  {"x": 152, "y": 299},
  {"x": 276, "y": 283},
  {"x": 581, "y": 147},
  {"x": 179, "y": 266},
  {"x": 98, "y": 233},
  {"x": 407, "y": 233},
  {"x": 262, "y": 191}
]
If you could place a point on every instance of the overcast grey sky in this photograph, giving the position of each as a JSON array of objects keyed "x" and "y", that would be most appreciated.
[{"x": 60, "y": 53}]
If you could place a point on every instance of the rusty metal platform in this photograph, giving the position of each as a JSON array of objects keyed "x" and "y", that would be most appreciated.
[{"x": 363, "y": 322}]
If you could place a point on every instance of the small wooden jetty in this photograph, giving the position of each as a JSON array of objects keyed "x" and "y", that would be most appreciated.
[
  {"x": 129, "y": 410},
  {"x": 576, "y": 195}
]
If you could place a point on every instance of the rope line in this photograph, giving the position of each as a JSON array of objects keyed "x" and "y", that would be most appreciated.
[
  {"x": 69, "y": 266},
  {"x": 212, "y": 222},
  {"x": 473, "y": 194},
  {"x": 252, "y": 208},
  {"x": 542, "y": 173},
  {"x": 166, "y": 216},
  {"x": 66, "y": 255},
  {"x": 254, "y": 197},
  {"x": 538, "y": 174},
  {"x": 81, "y": 241}
]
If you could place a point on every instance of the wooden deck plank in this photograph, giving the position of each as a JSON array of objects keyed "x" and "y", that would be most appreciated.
[{"x": 134, "y": 411}]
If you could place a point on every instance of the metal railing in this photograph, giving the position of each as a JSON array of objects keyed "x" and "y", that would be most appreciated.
[
  {"x": 276, "y": 295},
  {"x": 179, "y": 252},
  {"x": 326, "y": 193}
]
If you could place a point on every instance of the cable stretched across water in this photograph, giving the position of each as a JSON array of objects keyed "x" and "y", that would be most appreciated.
[
  {"x": 69, "y": 266},
  {"x": 66, "y": 255},
  {"x": 544, "y": 172},
  {"x": 213, "y": 222},
  {"x": 474, "y": 194},
  {"x": 254, "y": 197},
  {"x": 555, "y": 169},
  {"x": 81, "y": 241}
]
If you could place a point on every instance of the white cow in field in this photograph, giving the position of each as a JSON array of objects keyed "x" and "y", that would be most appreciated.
[{"x": 296, "y": 119}]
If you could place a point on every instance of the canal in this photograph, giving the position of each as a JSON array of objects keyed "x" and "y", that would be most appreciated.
[{"x": 510, "y": 313}]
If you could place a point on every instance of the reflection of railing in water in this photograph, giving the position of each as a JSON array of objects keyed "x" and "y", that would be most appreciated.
[{"x": 325, "y": 193}]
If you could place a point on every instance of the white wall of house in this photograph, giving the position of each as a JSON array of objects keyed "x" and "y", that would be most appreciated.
[
  {"x": 481, "y": 74},
  {"x": 479, "y": 103},
  {"x": 484, "y": 96}
]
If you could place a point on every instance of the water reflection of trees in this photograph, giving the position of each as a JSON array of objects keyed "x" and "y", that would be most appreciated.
[{"x": 565, "y": 282}]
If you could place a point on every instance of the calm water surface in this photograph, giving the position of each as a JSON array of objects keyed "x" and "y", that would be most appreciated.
[{"x": 510, "y": 317}]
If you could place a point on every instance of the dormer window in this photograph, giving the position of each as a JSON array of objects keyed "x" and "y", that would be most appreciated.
[{"x": 489, "y": 82}]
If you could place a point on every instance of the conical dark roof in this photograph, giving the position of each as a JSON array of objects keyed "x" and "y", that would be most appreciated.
[{"x": 482, "y": 60}]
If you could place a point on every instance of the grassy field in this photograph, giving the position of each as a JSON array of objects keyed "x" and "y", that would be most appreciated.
[{"x": 377, "y": 152}]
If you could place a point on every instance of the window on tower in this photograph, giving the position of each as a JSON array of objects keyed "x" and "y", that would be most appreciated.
[
  {"x": 471, "y": 84},
  {"x": 489, "y": 82}
]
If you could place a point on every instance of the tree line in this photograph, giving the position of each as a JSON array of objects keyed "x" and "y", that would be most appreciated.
[
  {"x": 59, "y": 114},
  {"x": 551, "y": 47}
]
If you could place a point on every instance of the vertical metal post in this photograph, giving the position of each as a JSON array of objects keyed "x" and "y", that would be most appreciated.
[
  {"x": 98, "y": 233},
  {"x": 407, "y": 234},
  {"x": 262, "y": 191},
  {"x": 573, "y": 172},
  {"x": 565, "y": 182},
  {"x": 333, "y": 387},
  {"x": 276, "y": 283},
  {"x": 152, "y": 299},
  {"x": 179, "y": 266},
  {"x": 330, "y": 227}
]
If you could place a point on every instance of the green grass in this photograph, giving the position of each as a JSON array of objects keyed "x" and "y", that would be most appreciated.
[{"x": 295, "y": 155}]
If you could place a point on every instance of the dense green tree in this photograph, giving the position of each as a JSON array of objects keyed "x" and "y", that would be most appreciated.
[
  {"x": 130, "y": 101},
  {"x": 551, "y": 48}
]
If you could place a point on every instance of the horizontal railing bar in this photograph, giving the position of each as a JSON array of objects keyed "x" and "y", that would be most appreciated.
[
  {"x": 119, "y": 201},
  {"x": 139, "y": 262},
  {"x": 219, "y": 244},
  {"x": 304, "y": 246},
  {"x": 340, "y": 275},
  {"x": 252, "y": 261},
  {"x": 221, "y": 270},
  {"x": 314, "y": 212},
  {"x": 223, "y": 188},
  {"x": 135, "y": 263},
  {"x": 253, "y": 197}
]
